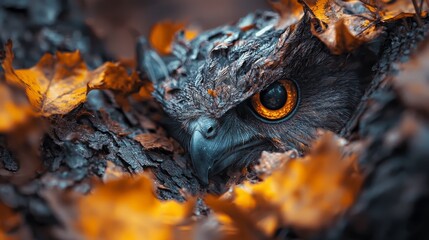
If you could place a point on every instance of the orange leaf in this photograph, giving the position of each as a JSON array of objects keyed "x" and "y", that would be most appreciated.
[
  {"x": 114, "y": 77},
  {"x": 343, "y": 25},
  {"x": 290, "y": 11},
  {"x": 391, "y": 10},
  {"x": 307, "y": 192},
  {"x": 320, "y": 8},
  {"x": 339, "y": 38},
  {"x": 145, "y": 92},
  {"x": 163, "y": 33},
  {"x": 13, "y": 110},
  {"x": 154, "y": 141},
  {"x": 235, "y": 221},
  {"x": 55, "y": 85},
  {"x": 58, "y": 84},
  {"x": 127, "y": 208}
]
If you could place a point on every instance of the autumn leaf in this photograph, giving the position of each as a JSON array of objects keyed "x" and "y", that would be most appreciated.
[
  {"x": 114, "y": 76},
  {"x": 163, "y": 33},
  {"x": 58, "y": 84},
  {"x": 154, "y": 141},
  {"x": 308, "y": 193},
  {"x": 236, "y": 222},
  {"x": 127, "y": 208},
  {"x": 14, "y": 109},
  {"x": 342, "y": 25},
  {"x": 391, "y": 10},
  {"x": 290, "y": 11},
  {"x": 145, "y": 91},
  {"x": 345, "y": 25},
  {"x": 319, "y": 9},
  {"x": 339, "y": 38}
]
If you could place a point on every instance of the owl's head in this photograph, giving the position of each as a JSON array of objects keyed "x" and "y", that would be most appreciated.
[{"x": 237, "y": 90}]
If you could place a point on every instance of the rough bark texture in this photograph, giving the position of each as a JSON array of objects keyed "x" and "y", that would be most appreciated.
[{"x": 76, "y": 148}]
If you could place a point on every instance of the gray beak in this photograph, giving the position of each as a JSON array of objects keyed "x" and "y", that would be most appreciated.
[{"x": 203, "y": 147}]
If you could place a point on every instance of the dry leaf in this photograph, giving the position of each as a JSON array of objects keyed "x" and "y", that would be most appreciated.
[
  {"x": 236, "y": 222},
  {"x": 145, "y": 92},
  {"x": 58, "y": 84},
  {"x": 14, "y": 109},
  {"x": 115, "y": 77},
  {"x": 154, "y": 141},
  {"x": 290, "y": 11},
  {"x": 391, "y": 10},
  {"x": 307, "y": 193},
  {"x": 339, "y": 39},
  {"x": 163, "y": 33},
  {"x": 127, "y": 208},
  {"x": 343, "y": 25}
]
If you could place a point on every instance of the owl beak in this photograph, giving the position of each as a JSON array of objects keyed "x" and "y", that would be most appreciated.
[
  {"x": 200, "y": 157},
  {"x": 203, "y": 148}
]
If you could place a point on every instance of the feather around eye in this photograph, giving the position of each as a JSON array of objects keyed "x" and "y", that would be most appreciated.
[{"x": 276, "y": 102}]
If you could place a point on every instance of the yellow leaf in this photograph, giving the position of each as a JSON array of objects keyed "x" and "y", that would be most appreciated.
[
  {"x": 308, "y": 193},
  {"x": 290, "y": 11},
  {"x": 127, "y": 208},
  {"x": 235, "y": 220},
  {"x": 114, "y": 77},
  {"x": 154, "y": 141},
  {"x": 163, "y": 33},
  {"x": 145, "y": 92},
  {"x": 58, "y": 84},
  {"x": 339, "y": 38},
  {"x": 14, "y": 110},
  {"x": 391, "y": 10},
  {"x": 320, "y": 9},
  {"x": 343, "y": 25}
]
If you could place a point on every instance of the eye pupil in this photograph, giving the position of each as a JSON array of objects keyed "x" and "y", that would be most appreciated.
[
  {"x": 274, "y": 97},
  {"x": 277, "y": 101}
]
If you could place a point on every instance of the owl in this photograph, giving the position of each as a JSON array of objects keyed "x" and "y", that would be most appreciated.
[{"x": 238, "y": 90}]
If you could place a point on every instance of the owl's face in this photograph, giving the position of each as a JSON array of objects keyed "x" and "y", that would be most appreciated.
[{"x": 238, "y": 90}]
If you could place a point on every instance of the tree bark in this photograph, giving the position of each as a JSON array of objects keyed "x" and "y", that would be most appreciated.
[{"x": 77, "y": 147}]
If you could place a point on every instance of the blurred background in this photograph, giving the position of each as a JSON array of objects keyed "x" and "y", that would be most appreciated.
[{"x": 104, "y": 29}]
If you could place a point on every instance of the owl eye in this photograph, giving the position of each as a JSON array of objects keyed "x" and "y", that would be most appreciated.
[{"x": 277, "y": 101}]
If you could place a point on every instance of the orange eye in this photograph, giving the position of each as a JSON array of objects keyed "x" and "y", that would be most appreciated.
[{"x": 277, "y": 101}]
